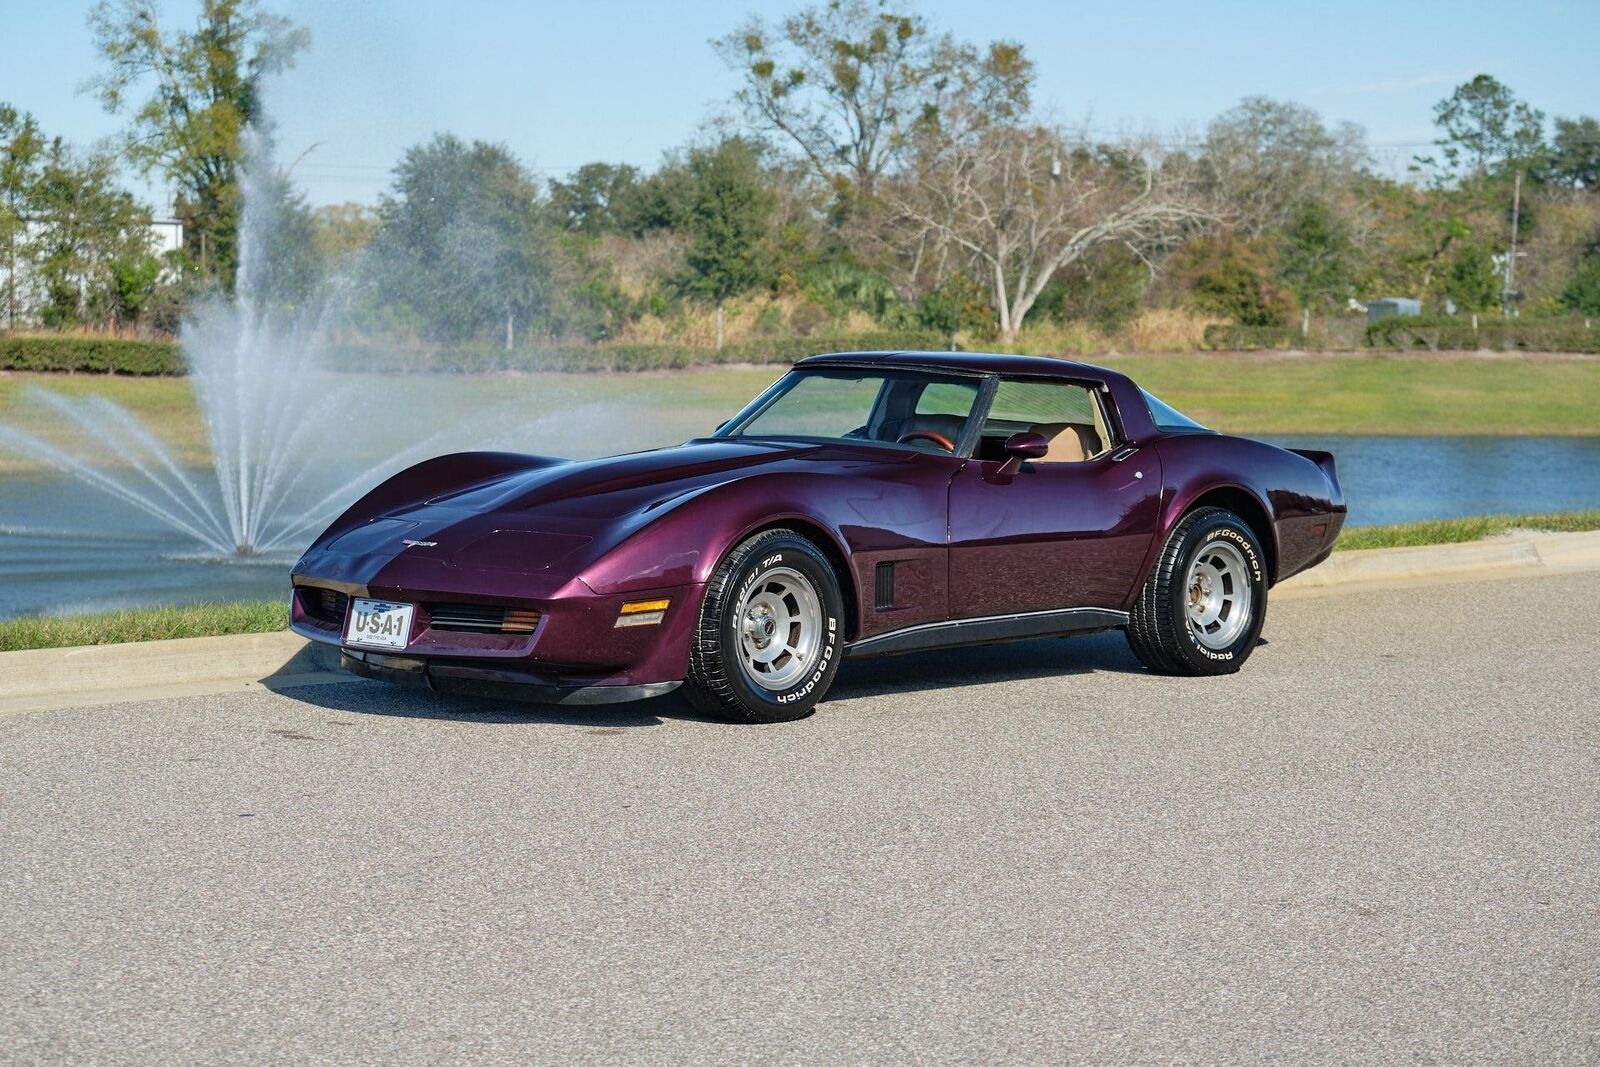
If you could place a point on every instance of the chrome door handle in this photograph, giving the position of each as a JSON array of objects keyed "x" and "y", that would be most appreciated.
[{"x": 1118, "y": 457}]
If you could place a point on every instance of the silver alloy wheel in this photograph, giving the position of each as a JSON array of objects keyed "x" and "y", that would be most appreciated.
[
  {"x": 780, "y": 629},
  {"x": 1218, "y": 590}
]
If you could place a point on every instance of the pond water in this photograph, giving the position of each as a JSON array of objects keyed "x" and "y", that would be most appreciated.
[{"x": 67, "y": 548}]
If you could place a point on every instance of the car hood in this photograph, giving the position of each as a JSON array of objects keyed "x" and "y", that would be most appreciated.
[
  {"x": 603, "y": 487},
  {"x": 556, "y": 518}
]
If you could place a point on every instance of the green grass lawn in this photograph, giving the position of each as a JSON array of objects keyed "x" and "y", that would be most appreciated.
[
  {"x": 1249, "y": 394},
  {"x": 1375, "y": 394}
]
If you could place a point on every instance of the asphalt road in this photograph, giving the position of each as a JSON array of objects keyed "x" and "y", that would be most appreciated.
[{"x": 1380, "y": 842}]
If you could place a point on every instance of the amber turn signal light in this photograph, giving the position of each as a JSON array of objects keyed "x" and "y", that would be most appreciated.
[{"x": 642, "y": 612}]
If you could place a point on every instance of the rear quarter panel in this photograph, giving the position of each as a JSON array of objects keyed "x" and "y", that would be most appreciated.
[{"x": 1304, "y": 511}]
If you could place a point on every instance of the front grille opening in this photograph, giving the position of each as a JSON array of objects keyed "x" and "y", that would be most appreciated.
[
  {"x": 482, "y": 618},
  {"x": 325, "y": 605}
]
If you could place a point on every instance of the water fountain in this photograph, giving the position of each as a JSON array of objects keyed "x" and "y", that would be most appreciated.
[{"x": 259, "y": 379}]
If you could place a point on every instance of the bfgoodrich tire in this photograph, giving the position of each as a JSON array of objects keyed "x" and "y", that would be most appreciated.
[
  {"x": 1201, "y": 608},
  {"x": 770, "y": 634}
]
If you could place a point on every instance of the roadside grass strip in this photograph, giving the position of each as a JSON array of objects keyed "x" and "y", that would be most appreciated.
[
  {"x": 144, "y": 624},
  {"x": 1474, "y": 528}
]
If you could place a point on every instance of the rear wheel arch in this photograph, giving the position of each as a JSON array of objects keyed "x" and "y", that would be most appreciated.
[{"x": 1243, "y": 503}]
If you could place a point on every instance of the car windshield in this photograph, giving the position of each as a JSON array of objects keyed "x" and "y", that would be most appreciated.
[{"x": 915, "y": 409}]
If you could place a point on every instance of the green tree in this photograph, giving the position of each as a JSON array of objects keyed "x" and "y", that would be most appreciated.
[
  {"x": 22, "y": 149},
  {"x": 204, "y": 89},
  {"x": 1470, "y": 278},
  {"x": 90, "y": 235},
  {"x": 1485, "y": 129},
  {"x": 729, "y": 224},
  {"x": 1103, "y": 288},
  {"x": 1582, "y": 292},
  {"x": 1575, "y": 153},
  {"x": 1225, "y": 275},
  {"x": 1316, "y": 258},
  {"x": 459, "y": 242},
  {"x": 850, "y": 83},
  {"x": 339, "y": 231},
  {"x": 595, "y": 198}
]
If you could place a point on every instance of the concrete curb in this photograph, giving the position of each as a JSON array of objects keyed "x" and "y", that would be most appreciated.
[
  {"x": 45, "y": 679},
  {"x": 1529, "y": 553},
  {"x": 40, "y": 679}
]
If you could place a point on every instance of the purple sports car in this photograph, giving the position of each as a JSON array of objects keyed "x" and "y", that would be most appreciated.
[{"x": 865, "y": 504}]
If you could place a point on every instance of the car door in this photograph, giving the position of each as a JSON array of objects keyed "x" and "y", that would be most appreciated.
[{"x": 1068, "y": 530}]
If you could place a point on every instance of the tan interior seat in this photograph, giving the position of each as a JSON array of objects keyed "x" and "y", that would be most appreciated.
[{"x": 1070, "y": 442}]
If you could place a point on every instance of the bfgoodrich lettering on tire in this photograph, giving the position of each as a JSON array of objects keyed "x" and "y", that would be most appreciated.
[
  {"x": 1201, "y": 608},
  {"x": 770, "y": 634}
]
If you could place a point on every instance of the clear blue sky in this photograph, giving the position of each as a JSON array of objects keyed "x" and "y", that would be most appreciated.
[{"x": 567, "y": 83}]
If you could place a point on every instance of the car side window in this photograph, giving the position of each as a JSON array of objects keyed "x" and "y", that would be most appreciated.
[{"x": 1066, "y": 415}]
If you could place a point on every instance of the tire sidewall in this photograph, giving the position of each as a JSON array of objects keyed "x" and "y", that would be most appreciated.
[
  {"x": 1224, "y": 527},
  {"x": 798, "y": 554}
]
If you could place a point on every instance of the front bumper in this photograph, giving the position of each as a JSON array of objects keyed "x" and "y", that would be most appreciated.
[
  {"x": 575, "y": 645},
  {"x": 468, "y": 679}
]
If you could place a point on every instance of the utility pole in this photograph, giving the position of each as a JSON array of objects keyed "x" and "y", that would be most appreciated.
[
  {"x": 1511, "y": 260},
  {"x": 11, "y": 276}
]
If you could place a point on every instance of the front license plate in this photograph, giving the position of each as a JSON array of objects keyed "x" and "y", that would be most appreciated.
[{"x": 379, "y": 622}]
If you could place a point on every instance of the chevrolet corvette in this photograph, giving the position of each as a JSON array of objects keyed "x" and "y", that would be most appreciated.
[{"x": 865, "y": 504}]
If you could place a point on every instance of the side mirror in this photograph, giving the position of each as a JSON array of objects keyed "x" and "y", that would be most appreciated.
[{"x": 1020, "y": 447}]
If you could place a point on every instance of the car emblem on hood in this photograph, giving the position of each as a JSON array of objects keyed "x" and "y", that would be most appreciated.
[{"x": 419, "y": 544}]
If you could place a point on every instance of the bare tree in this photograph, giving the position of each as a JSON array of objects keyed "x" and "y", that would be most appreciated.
[
  {"x": 850, "y": 82},
  {"x": 1018, "y": 204},
  {"x": 1267, "y": 158}
]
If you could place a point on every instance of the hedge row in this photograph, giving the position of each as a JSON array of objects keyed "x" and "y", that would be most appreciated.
[
  {"x": 98, "y": 355},
  {"x": 1406, "y": 333},
  {"x": 112, "y": 356},
  {"x": 1227, "y": 337}
]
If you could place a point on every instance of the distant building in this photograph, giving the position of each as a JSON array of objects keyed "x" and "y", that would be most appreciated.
[
  {"x": 1392, "y": 305},
  {"x": 167, "y": 235}
]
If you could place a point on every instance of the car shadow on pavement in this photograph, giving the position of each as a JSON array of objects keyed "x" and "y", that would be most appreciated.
[
  {"x": 987, "y": 665},
  {"x": 370, "y": 697},
  {"x": 911, "y": 673}
]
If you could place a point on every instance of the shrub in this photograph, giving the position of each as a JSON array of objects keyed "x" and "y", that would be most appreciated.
[
  {"x": 1582, "y": 292},
  {"x": 1406, "y": 333},
  {"x": 94, "y": 355},
  {"x": 1225, "y": 275},
  {"x": 807, "y": 319},
  {"x": 1231, "y": 337}
]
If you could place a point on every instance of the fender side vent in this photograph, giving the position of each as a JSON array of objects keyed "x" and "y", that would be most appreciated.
[{"x": 883, "y": 586}]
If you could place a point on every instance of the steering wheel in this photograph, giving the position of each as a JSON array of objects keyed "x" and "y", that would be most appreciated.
[{"x": 929, "y": 435}]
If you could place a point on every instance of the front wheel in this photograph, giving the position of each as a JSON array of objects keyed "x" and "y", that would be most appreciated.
[
  {"x": 1202, "y": 607},
  {"x": 770, "y": 633}
]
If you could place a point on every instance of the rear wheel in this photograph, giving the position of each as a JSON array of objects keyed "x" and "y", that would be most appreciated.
[
  {"x": 1202, "y": 607},
  {"x": 770, "y": 632}
]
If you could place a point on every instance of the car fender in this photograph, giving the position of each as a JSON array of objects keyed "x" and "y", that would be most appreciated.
[{"x": 682, "y": 542}]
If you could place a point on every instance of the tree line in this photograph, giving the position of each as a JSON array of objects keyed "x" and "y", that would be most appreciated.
[{"x": 871, "y": 170}]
